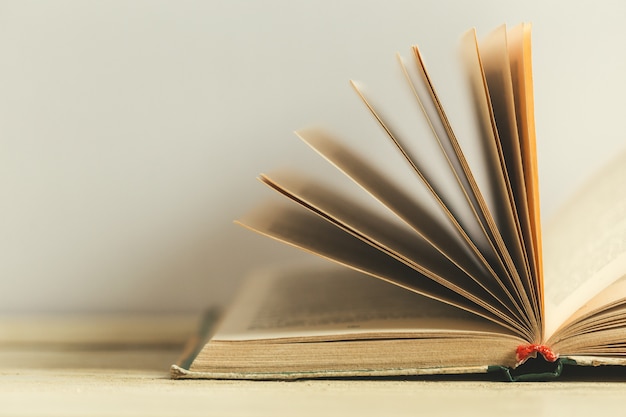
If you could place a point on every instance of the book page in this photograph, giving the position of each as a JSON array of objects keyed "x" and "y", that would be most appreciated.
[
  {"x": 386, "y": 232},
  {"x": 409, "y": 200},
  {"x": 585, "y": 244},
  {"x": 495, "y": 249},
  {"x": 338, "y": 304},
  {"x": 520, "y": 55},
  {"x": 514, "y": 228},
  {"x": 293, "y": 224},
  {"x": 609, "y": 297},
  {"x": 602, "y": 307},
  {"x": 497, "y": 70}
]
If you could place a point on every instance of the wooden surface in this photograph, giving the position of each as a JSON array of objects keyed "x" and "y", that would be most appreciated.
[{"x": 87, "y": 373}]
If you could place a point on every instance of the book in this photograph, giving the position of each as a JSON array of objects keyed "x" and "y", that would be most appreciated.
[{"x": 443, "y": 264}]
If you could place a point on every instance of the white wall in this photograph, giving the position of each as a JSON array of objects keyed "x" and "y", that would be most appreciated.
[{"x": 131, "y": 131}]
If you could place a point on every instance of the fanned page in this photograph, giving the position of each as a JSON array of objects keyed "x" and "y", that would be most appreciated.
[
  {"x": 298, "y": 304},
  {"x": 519, "y": 45},
  {"x": 517, "y": 231},
  {"x": 460, "y": 230},
  {"x": 307, "y": 230}
]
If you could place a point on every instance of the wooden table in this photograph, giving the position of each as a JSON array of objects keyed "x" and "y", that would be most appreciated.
[{"x": 104, "y": 366}]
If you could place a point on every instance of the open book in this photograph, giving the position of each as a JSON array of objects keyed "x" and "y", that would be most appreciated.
[{"x": 450, "y": 232}]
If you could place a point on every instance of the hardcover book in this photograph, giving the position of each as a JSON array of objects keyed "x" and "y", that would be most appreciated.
[{"x": 444, "y": 266}]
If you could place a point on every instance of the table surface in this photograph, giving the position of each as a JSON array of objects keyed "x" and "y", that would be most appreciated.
[{"x": 103, "y": 366}]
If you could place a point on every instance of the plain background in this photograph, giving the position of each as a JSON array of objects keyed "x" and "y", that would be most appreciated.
[{"x": 131, "y": 132}]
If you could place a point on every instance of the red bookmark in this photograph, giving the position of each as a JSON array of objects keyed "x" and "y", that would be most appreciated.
[{"x": 523, "y": 352}]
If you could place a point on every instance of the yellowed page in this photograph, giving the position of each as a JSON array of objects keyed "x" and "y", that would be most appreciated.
[
  {"x": 318, "y": 234},
  {"x": 515, "y": 229},
  {"x": 520, "y": 55},
  {"x": 585, "y": 244},
  {"x": 339, "y": 304},
  {"x": 497, "y": 70},
  {"x": 611, "y": 296},
  {"x": 437, "y": 168},
  {"x": 411, "y": 201},
  {"x": 462, "y": 200},
  {"x": 388, "y": 233}
]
